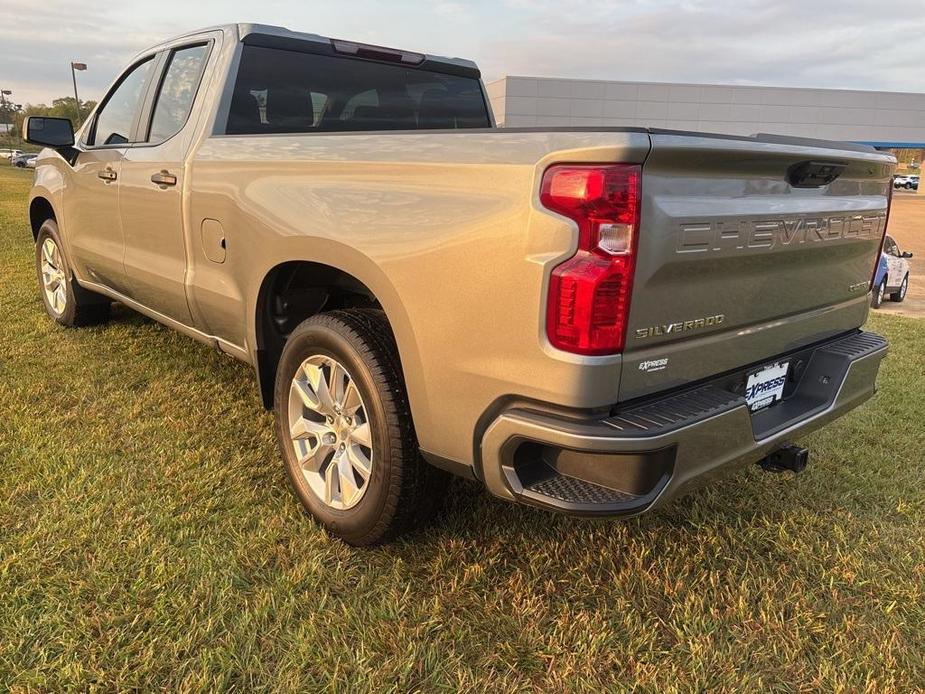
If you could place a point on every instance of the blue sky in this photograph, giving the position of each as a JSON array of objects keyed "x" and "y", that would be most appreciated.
[{"x": 856, "y": 44}]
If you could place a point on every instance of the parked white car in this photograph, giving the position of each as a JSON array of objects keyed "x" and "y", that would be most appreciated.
[
  {"x": 895, "y": 282},
  {"x": 909, "y": 182},
  {"x": 24, "y": 161}
]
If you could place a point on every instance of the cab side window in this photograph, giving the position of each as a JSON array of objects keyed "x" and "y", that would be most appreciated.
[
  {"x": 116, "y": 118},
  {"x": 178, "y": 89}
]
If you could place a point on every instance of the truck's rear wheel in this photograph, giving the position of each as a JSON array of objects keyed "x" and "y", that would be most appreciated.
[
  {"x": 65, "y": 301},
  {"x": 345, "y": 430}
]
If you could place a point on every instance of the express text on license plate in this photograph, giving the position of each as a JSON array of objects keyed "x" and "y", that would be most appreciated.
[{"x": 766, "y": 386}]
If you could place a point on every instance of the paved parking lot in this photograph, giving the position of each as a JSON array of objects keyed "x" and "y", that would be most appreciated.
[{"x": 907, "y": 226}]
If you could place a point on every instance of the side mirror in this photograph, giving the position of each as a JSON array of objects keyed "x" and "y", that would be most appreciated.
[
  {"x": 907, "y": 254},
  {"x": 50, "y": 132}
]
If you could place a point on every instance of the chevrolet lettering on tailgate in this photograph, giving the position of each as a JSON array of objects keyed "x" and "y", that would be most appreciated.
[{"x": 729, "y": 236}]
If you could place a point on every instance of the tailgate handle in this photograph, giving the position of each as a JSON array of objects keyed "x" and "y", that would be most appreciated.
[{"x": 814, "y": 174}]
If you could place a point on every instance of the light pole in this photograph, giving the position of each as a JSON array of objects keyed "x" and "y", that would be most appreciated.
[
  {"x": 75, "y": 66},
  {"x": 18, "y": 109}
]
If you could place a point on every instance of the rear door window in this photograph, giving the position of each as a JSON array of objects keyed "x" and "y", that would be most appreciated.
[
  {"x": 178, "y": 89},
  {"x": 281, "y": 91}
]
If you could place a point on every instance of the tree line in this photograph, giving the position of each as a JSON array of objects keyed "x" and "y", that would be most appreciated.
[{"x": 64, "y": 107}]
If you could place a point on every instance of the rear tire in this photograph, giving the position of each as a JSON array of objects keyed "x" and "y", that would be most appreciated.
[
  {"x": 65, "y": 301},
  {"x": 392, "y": 490},
  {"x": 900, "y": 294}
]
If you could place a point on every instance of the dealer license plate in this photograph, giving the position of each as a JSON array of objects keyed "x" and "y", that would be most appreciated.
[{"x": 766, "y": 386}]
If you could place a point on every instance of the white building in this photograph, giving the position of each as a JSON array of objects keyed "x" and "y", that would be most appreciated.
[{"x": 883, "y": 119}]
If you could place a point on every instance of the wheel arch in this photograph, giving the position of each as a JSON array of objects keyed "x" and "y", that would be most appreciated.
[
  {"x": 45, "y": 198},
  {"x": 40, "y": 209},
  {"x": 293, "y": 290}
]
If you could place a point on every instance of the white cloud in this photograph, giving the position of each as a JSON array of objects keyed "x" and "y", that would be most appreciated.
[
  {"x": 849, "y": 44},
  {"x": 38, "y": 41}
]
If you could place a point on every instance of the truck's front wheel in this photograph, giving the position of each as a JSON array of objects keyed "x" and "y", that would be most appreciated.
[
  {"x": 345, "y": 429},
  {"x": 879, "y": 294},
  {"x": 65, "y": 301}
]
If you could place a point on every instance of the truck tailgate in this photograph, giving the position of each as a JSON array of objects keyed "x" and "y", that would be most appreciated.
[{"x": 746, "y": 251}]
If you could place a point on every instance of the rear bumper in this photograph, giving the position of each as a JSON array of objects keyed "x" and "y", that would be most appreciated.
[{"x": 637, "y": 458}]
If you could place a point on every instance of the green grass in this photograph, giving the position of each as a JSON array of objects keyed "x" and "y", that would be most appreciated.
[{"x": 148, "y": 539}]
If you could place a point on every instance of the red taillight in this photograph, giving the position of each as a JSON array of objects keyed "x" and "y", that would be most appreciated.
[{"x": 588, "y": 303}]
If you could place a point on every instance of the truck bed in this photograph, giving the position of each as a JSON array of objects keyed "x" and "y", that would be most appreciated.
[{"x": 446, "y": 228}]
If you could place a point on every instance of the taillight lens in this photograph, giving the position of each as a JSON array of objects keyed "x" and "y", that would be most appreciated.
[{"x": 589, "y": 294}]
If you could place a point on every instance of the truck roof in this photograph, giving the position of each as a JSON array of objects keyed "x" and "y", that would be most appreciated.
[{"x": 281, "y": 37}]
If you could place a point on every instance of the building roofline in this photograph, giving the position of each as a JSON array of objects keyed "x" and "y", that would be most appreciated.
[{"x": 706, "y": 84}]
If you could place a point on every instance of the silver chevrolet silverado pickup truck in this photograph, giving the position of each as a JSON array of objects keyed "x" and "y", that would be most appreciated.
[{"x": 588, "y": 320}]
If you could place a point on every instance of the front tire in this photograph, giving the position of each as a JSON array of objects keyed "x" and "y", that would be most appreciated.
[
  {"x": 899, "y": 295},
  {"x": 345, "y": 430},
  {"x": 65, "y": 301},
  {"x": 879, "y": 293}
]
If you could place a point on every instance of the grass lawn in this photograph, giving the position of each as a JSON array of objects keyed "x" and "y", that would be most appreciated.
[{"x": 148, "y": 539}]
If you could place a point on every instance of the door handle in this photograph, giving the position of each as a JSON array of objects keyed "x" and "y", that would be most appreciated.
[
  {"x": 107, "y": 175},
  {"x": 164, "y": 178}
]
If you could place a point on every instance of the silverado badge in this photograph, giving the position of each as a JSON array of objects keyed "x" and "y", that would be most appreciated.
[{"x": 680, "y": 326}]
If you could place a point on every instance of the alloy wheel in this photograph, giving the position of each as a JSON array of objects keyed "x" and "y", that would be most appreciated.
[
  {"x": 330, "y": 432},
  {"x": 53, "y": 277}
]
